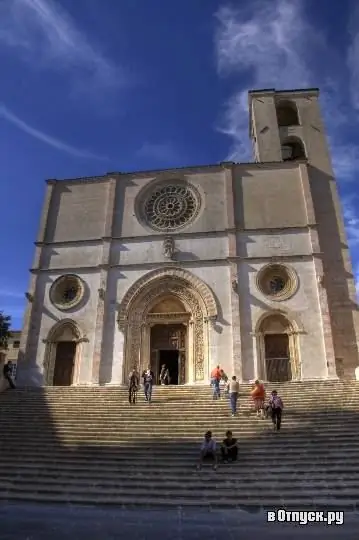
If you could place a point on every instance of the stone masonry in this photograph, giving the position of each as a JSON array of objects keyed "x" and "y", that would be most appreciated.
[{"x": 246, "y": 217}]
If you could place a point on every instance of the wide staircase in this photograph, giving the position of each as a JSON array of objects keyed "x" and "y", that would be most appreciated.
[{"x": 89, "y": 446}]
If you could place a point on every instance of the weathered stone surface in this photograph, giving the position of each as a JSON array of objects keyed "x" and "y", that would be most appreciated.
[{"x": 250, "y": 215}]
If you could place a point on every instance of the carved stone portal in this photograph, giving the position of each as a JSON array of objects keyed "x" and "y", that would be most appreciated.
[{"x": 138, "y": 315}]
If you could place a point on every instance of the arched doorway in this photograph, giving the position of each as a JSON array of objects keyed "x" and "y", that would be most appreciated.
[
  {"x": 168, "y": 310},
  {"x": 168, "y": 340},
  {"x": 278, "y": 349},
  {"x": 62, "y": 354}
]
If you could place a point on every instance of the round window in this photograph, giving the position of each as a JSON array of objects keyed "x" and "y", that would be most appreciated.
[{"x": 67, "y": 292}]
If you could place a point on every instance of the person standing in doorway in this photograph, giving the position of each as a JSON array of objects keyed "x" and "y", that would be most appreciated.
[
  {"x": 7, "y": 371},
  {"x": 148, "y": 380},
  {"x": 233, "y": 388},
  {"x": 164, "y": 375},
  {"x": 133, "y": 385},
  {"x": 215, "y": 380}
]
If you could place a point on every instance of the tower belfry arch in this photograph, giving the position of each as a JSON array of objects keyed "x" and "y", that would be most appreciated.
[{"x": 184, "y": 306}]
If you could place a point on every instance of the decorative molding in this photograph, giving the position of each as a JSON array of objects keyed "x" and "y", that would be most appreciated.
[
  {"x": 167, "y": 275},
  {"x": 285, "y": 277},
  {"x": 168, "y": 205},
  {"x": 168, "y": 247},
  {"x": 235, "y": 285},
  {"x": 101, "y": 293},
  {"x": 58, "y": 290},
  {"x": 29, "y": 297}
]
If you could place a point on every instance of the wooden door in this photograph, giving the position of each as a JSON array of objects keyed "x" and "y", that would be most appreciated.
[
  {"x": 277, "y": 357},
  {"x": 64, "y": 363}
]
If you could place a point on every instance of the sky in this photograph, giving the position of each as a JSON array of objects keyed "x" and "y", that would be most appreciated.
[{"x": 94, "y": 86}]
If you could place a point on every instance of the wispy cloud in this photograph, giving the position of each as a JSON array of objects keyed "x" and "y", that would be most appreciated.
[
  {"x": 47, "y": 139},
  {"x": 9, "y": 293},
  {"x": 273, "y": 45},
  {"x": 159, "y": 152},
  {"x": 352, "y": 57},
  {"x": 350, "y": 205},
  {"x": 47, "y": 35}
]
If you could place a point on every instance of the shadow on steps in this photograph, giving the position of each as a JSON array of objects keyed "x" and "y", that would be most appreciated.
[{"x": 313, "y": 462}]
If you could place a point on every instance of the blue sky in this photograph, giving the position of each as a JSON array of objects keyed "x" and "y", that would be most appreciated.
[{"x": 92, "y": 86}]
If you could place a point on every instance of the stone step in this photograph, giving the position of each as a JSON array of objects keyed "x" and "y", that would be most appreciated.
[
  {"x": 175, "y": 452},
  {"x": 243, "y": 417},
  {"x": 251, "y": 440},
  {"x": 317, "y": 472},
  {"x": 264, "y": 501},
  {"x": 205, "y": 490},
  {"x": 194, "y": 480}
]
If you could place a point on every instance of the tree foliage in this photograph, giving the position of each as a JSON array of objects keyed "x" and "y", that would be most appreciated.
[{"x": 5, "y": 334}]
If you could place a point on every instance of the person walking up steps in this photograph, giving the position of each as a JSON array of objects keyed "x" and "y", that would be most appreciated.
[
  {"x": 233, "y": 388},
  {"x": 215, "y": 380},
  {"x": 277, "y": 406}
]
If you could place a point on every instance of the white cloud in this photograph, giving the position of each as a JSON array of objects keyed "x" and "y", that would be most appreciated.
[
  {"x": 47, "y": 35},
  {"x": 351, "y": 218},
  {"x": 273, "y": 45},
  {"x": 352, "y": 57},
  {"x": 47, "y": 139},
  {"x": 9, "y": 293},
  {"x": 265, "y": 44}
]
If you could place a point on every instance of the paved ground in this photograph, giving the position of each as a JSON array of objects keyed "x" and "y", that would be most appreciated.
[{"x": 34, "y": 522}]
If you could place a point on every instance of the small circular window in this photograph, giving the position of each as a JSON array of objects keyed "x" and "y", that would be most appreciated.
[
  {"x": 277, "y": 282},
  {"x": 67, "y": 292}
]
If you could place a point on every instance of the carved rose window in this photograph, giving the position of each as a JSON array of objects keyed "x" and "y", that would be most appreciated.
[
  {"x": 277, "y": 282},
  {"x": 171, "y": 207},
  {"x": 67, "y": 292}
]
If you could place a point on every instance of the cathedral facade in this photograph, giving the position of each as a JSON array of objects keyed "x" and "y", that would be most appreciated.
[{"x": 245, "y": 265}]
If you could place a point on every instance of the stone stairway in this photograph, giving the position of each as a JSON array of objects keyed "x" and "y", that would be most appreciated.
[{"x": 89, "y": 446}]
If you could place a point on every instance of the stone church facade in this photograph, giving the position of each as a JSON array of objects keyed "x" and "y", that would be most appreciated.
[{"x": 240, "y": 264}]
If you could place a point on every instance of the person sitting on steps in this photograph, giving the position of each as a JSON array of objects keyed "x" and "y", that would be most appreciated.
[
  {"x": 229, "y": 448},
  {"x": 258, "y": 395},
  {"x": 276, "y": 405},
  {"x": 208, "y": 451}
]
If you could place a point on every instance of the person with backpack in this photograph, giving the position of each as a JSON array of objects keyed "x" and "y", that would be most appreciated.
[
  {"x": 276, "y": 406},
  {"x": 133, "y": 385},
  {"x": 258, "y": 395},
  {"x": 148, "y": 380}
]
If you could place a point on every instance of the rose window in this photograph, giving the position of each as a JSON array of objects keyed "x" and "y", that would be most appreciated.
[
  {"x": 277, "y": 281},
  {"x": 171, "y": 207},
  {"x": 67, "y": 292}
]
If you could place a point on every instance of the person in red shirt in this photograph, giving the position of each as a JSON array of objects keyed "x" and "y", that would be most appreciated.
[
  {"x": 216, "y": 376},
  {"x": 258, "y": 395}
]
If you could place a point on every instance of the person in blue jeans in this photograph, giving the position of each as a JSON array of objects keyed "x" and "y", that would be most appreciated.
[
  {"x": 215, "y": 380},
  {"x": 233, "y": 388},
  {"x": 148, "y": 380}
]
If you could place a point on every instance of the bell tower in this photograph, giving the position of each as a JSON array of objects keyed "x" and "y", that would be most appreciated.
[{"x": 288, "y": 126}]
